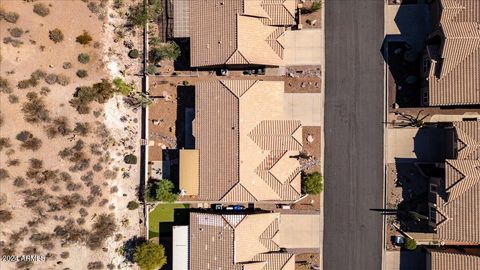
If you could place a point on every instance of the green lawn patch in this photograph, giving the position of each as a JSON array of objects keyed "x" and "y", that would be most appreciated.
[{"x": 163, "y": 213}]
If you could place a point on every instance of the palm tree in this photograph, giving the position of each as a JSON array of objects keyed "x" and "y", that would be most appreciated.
[{"x": 407, "y": 120}]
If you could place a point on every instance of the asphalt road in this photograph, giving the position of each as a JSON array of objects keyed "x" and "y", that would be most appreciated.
[{"x": 354, "y": 103}]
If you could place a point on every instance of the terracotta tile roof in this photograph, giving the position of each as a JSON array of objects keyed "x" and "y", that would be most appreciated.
[
  {"x": 245, "y": 146},
  {"x": 450, "y": 261},
  {"x": 238, "y": 31},
  {"x": 460, "y": 208},
  {"x": 236, "y": 242},
  {"x": 468, "y": 143},
  {"x": 454, "y": 77}
]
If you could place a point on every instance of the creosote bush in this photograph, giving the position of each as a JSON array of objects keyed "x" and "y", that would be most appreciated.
[
  {"x": 82, "y": 73},
  {"x": 56, "y": 35},
  {"x": 5, "y": 86},
  {"x": 15, "y": 32},
  {"x": 29, "y": 141},
  {"x": 5, "y": 216},
  {"x": 35, "y": 109},
  {"x": 84, "y": 38},
  {"x": 67, "y": 65},
  {"x": 41, "y": 9},
  {"x": 10, "y": 17}
]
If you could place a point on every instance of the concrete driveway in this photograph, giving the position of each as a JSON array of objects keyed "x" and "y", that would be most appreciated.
[
  {"x": 302, "y": 47},
  {"x": 305, "y": 107}
]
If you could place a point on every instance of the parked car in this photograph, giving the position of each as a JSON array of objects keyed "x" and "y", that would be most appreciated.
[
  {"x": 217, "y": 206},
  {"x": 235, "y": 207},
  {"x": 398, "y": 240},
  {"x": 222, "y": 72}
]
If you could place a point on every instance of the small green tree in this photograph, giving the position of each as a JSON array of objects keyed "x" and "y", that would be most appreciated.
[
  {"x": 83, "y": 58},
  {"x": 410, "y": 244},
  {"x": 151, "y": 69},
  {"x": 133, "y": 54},
  {"x": 161, "y": 190},
  {"x": 130, "y": 159},
  {"x": 132, "y": 205},
  {"x": 150, "y": 256},
  {"x": 122, "y": 87},
  {"x": 165, "y": 51},
  {"x": 313, "y": 183}
]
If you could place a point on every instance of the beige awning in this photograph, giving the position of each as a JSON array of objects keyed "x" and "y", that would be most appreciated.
[{"x": 189, "y": 171}]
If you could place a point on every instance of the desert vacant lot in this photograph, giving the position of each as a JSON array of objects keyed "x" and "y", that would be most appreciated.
[{"x": 64, "y": 185}]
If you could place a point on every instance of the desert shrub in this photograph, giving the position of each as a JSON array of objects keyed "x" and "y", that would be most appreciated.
[
  {"x": 5, "y": 216},
  {"x": 114, "y": 189},
  {"x": 29, "y": 141},
  {"x": 51, "y": 78},
  {"x": 13, "y": 41},
  {"x": 34, "y": 109},
  {"x": 82, "y": 128},
  {"x": 130, "y": 159},
  {"x": 19, "y": 181},
  {"x": 150, "y": 256},
  {"x": 56, "y": 35},
  {"x": 313, "y": 183},
  {"x": 36, "y": 163},
  {"x": 41, "y": 9},
  {"x": 65, "y": 255},
  {"x": 122, "y": 87},
  {"x": 5, "y": 86},
  {"x": 132, "y": 205},
  {"x": 44, "y": 91},
  {"x": 63, "y": 80},
  {"x": 4, "y": 143},
  {"x": 16, "y": 32},
  {"x": 83, "y": 58},
  {"x": 38, "y": 74},
  {"x": 13, "y": 99},
  {"x": 13, "y": 162},
  {"x": 60, "y": 126},
  {"x": 31, "y": 82},
  {"x": 95, "y": 265},
  {"x": 43, "y": 239},
  {"x": 117, "y": 4},
  {"x": 133, "y": 54},
  {"x": 161, "y": 190},
  {"x": 103, "y": 228},
  {"x": 152, "y": 69},
  {"x": 70, "y": 233},
  {"x": 139, "y": 15},
  {"x": 109, "y": 174},
  {"x": 67, "y": 65},
  {"x": 165, "y": 51},
  {"x": 10, "y": 17},
  {"x": 82, "y": 73},
  {"x": 100, "y": 92},
  {"x": 313, "y": 8},
  {"x": 4, "y": 174},
  {"x": 84, "y": 38}
]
